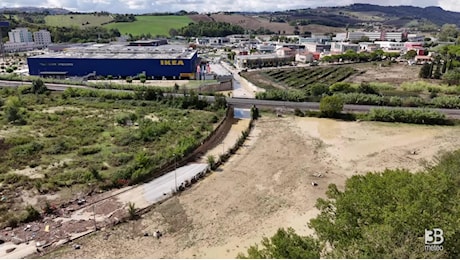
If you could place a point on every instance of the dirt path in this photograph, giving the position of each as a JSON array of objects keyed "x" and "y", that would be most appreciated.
[
  {"x": 229, "y": 140},
  {"x": 267, "y": 185}
]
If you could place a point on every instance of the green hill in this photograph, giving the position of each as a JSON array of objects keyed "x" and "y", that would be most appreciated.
[
  {"x": 155, "y": 25},
  {"x": 79, "y": 20}
]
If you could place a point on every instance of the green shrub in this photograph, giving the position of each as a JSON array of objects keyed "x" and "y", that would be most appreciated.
[
  {"x": 366, "y": 88},
  {"x": 120, "y": 159},
  {"x": 298, "y": 112},
  {"x": 26, "y": 149},
  {"x": 446, "y": 102},
  {"x": 413, "y": 102},
  {"x": 343, "y": 87},
  {"x": 61, "y": 146},
  {"x": 124, "y": 118},
  {"x": 31, "y": 214},
  {"x": 89, "y": 150},
  {"x": 331, "y": 106},
  {"x": 318, "y": 89},
  {"x": 414, "y": 116}
]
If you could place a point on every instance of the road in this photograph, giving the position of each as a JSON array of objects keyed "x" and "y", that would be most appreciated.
[
  {"x": 142, "y": 196},
  {"x": 239, "y": 102}
]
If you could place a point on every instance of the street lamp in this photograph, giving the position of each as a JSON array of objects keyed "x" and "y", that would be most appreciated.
[{"x": 175, "y": 173}]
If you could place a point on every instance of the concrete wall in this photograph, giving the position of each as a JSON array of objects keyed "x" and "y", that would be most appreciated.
[
  {"x": 222, "y": 86},
  {"x": 210, "y": 141}
]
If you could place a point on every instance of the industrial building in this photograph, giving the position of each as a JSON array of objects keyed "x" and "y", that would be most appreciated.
[
  {"x": 262, "y": 60},
  {"x": 156, "y": 62}
]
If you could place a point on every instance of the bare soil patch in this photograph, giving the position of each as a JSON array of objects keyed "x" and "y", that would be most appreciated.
[
  {"x": 395, "y": 74},
  {"x": 267, "y": 185}
]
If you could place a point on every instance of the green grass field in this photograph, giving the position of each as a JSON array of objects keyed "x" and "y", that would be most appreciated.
[
  {"x": 78, "y": 20},
  {"x": 155, "y": 25}
]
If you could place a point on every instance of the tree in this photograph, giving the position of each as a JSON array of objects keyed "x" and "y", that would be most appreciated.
[
  {"x": 410, "y": 54},
  {"x": 449, "y": 32},
  {"x": 132, "y": 211},
  {"x": 285, "y": 244},
  {"x": 14, "y": 112},
  {"x": 425, "y": 71},
  {"x": 38, "y": 87},
  {"x": 381, "y": 215},
  {"x": 384, "y": 215},
  {"x": 437, "y": 71},
  {"x": 331, "y": 106},
  {"x": 211, "y": 161},
  {"x": 452, "y": 77},
  {"x": 254, "y": 112},
  {"x": 176, "y": 88},
  {"x": 366, "y": 88}
]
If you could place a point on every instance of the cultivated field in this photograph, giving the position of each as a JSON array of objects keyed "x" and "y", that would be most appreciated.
[
  {"x": 155, "y": 25},
  {"x": 267, "y": 186},
  {"x": 395, "y": 74},
  {"x": 300, "y": 77},
  {"x": 79, "y": 20}
]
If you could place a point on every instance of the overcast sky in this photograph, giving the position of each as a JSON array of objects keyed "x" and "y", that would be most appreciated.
[{"x": 146, "y": 6}]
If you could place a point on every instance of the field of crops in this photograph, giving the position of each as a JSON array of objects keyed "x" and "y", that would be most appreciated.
[
  {"x": 155, "y": 25},
  {"x": 300, "y": 78},
  {"x": 79, "y": 20}
]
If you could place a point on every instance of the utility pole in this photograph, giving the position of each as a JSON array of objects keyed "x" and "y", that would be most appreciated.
[{"x": 175, "y": 173}]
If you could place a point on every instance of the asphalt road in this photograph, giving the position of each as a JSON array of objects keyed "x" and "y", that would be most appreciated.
[{"x": 248, "y": 102}]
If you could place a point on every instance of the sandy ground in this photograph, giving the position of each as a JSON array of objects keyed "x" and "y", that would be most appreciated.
[
  {"x": 267, "y": 185},
  {"x": 228, "y": 142},
  {"x": 396, "y": 74}
]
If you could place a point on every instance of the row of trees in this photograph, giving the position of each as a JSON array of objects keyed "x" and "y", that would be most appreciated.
[
  {"x": 76, "y": 34},
  {"x": 445, "y": 65},
  {"x": 210, "y": 29},
  {"x": 351, "y": 55}
]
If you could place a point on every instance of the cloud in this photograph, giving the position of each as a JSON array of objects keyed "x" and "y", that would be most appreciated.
[{"x": 146, "y": 6}]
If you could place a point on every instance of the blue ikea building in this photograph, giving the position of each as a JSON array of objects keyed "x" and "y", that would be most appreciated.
[{"x": 165, "y": 61}]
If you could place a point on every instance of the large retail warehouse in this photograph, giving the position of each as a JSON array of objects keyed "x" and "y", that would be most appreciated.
[{"x": 157, "y": 62}]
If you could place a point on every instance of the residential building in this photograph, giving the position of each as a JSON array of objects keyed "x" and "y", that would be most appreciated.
[
  {"x": 373, "y": 36},
  {"x": 390, "y": 46},
  {"x": 392, "y": 36},
  {"x": 306, "y": 57},
  {"x": 265, "y": 47},
  {"x": 262, "y": 60},
  {"x": 348, "y": 36},
  {"x": 18, "y": 46},
  {"x": 368, "y": 46},
  {"x": 42, "y": 38},
  {"x": 211, "y": 40},
  {"x": 339, "y": 47},
  {"x": 285, "y": 51},
  {"x": 412, "y": 37},
  {"x": 416, "y": 46},
  {"x": 317, "y": 47},
  {"x": 19, "y": 35}
]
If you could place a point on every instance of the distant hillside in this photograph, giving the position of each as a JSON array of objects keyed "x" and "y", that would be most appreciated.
[
  {"x": 435, "y": 14},
  {"x": 362, "y": 15},
  {"x": 34, "y": 10},
  {"x": 256, "y": 22}
]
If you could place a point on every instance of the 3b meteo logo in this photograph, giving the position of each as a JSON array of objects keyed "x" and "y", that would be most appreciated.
[{"x": 434, "y": 239}]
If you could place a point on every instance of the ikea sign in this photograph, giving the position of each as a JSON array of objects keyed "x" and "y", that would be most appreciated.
[{"x": 172, "y": 62}]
